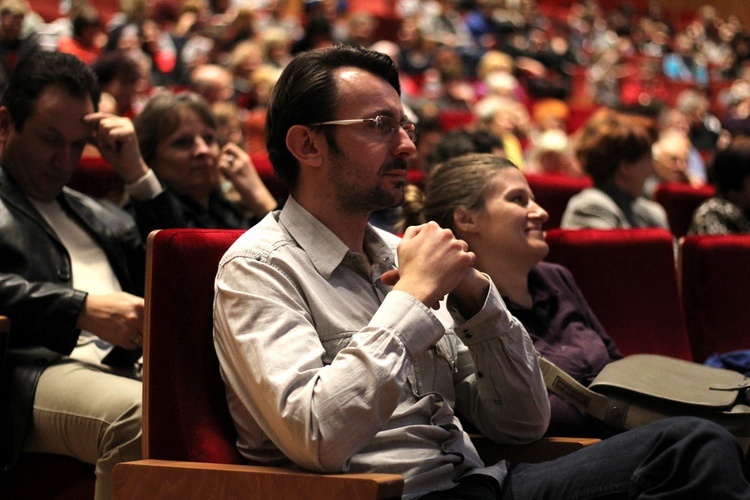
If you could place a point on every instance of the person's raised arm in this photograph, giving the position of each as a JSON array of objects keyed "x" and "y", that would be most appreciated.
[
  {"x": 116, "y": 140},
  {"x": 237, "y": 166}
]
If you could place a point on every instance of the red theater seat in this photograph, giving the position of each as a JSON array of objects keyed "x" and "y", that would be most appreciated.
[
  {"x": 97, "y": 178},
  {"x": 629, "y": 279},
  {"x": 552, "y": 192},
  {"x": 715, "y": 277},
  {"x": 188, "y": 436},
  {"x": 680, "y": 201}
]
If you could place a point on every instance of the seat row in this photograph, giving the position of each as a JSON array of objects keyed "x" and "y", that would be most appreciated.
[
  {"x": 628, "y": 277},
  {"x": 649, "y": 302}
]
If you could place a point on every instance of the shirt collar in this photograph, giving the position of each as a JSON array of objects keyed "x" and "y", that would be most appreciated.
[{"x": 325, "y": 249}]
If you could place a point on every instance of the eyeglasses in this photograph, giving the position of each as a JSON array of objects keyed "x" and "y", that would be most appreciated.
[{"x": 386, "y": 125}]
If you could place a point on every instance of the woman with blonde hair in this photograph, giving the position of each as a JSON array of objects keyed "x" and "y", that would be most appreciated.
[{"x": 485, "y": 200}]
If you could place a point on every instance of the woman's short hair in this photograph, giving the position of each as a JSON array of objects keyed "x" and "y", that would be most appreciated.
[
  {"x": 163, "y": 114},
  {"x": 610, "y": 137}
]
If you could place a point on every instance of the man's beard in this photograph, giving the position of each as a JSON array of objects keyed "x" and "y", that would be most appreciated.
[{"x": 356, "y": 201}]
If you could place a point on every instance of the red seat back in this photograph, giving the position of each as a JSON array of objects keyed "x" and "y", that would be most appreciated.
[
  {"x": 552, "y": 192},
  {"x": 715, "y": 273},
  {"x": 185, "y": 410},
  {"x": 97, "y": 178},
  {"x": 629, "y": 279},
  {"x": 680, "y": 201}
]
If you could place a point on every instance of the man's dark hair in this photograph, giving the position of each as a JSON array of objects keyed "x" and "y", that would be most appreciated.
[
  {"x": 41, "y": 70},
  {"x": 307, "y": 93}
]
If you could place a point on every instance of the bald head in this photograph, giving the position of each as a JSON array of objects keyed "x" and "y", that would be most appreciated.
[{"x": 213, "y": 82}]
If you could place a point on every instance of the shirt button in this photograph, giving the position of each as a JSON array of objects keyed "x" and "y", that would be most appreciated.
[{"x": 480, "y": 375}]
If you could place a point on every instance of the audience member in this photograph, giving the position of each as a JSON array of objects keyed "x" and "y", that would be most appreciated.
[
  {"x": 705, "y": 127},
  {"x": 728, "y": 212},
  {"x": 615, "y": 150},
  {"x": 487, "y": 202},
  {"x": 682, "y": 63},
  {"x": 228, "y": 123},
  {"x": 462, "y": 141},
  {"x": 263, "y": 79},
  {"x": 672, "y": 119},
  {"x": 318, "y": 33},
  {"x": 671, "y": 152},
  {"x": 244, "y": 60},
  {"x": 373, "y": 383},
  {"x": 126, "y": 23},
  {"x": 118, "y": 76},
  {"x": 604, "y": 77},
  {"x": 87, "y": 38},
  {"x": 443, "y": 22},
  {"x": 500, "y": 115},
  {"x": 737, "y": 118},
  {"x": 213, "y": 82},
  {"x": 71, "y": 273},
  {"x": 277, "y": 46},
  {"x": 178, "y": 138},
  {"x": 550, "y": 114},
  {"x": 14, "y": 43},
  {"x": 550, "y": 153}
]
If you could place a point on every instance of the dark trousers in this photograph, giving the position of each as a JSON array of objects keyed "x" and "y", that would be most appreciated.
[{"x": 676, "y": 458}]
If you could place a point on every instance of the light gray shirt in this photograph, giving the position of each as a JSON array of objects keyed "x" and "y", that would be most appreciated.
[
  {"x": 328, "y": 368},
  {"x": 596, "y": 208}
]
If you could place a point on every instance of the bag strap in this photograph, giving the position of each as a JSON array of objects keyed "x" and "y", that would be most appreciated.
[{"x": 608, "y": 410}]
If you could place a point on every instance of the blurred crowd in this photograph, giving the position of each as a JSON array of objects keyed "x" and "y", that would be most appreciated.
[{"x": 527, "y": 72}]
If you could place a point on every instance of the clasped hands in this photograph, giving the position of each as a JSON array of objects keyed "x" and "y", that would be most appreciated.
[{"x": 434, "y": 263}]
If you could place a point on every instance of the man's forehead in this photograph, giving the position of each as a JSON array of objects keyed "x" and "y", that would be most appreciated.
[
  {"x": 58, "y": 110},
  {"x": 355, "y": 84}
]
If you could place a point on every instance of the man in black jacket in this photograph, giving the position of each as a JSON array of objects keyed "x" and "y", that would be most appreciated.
[{"x": 71, "y": 274}]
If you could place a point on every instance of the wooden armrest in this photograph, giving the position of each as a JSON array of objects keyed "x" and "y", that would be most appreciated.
[
  {"x": 173, "y": 480},
  {"x": 542, "y": 450}
]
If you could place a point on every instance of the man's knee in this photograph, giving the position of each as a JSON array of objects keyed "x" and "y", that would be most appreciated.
[{"x": 701, "y": 431}]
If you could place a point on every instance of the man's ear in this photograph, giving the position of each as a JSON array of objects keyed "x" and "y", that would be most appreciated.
[
  {"x": 304, "y": 144},
  {"x": 465, "y": 220}
]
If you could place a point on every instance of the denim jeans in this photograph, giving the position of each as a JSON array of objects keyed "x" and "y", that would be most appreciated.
[
  {"x": 680, "y": 458},
  {"x": 675, "y": 458}
]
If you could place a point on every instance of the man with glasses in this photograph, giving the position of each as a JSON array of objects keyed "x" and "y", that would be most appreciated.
[{"x": 339, "y": 351}]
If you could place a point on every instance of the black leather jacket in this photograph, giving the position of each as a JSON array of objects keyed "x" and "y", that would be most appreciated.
[
  {"x": 36, "y": 283},
  {"x": 35, "y": 270}
]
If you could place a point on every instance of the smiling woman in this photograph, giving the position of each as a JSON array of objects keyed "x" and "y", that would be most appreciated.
[{"x": 485, "y": 200}]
